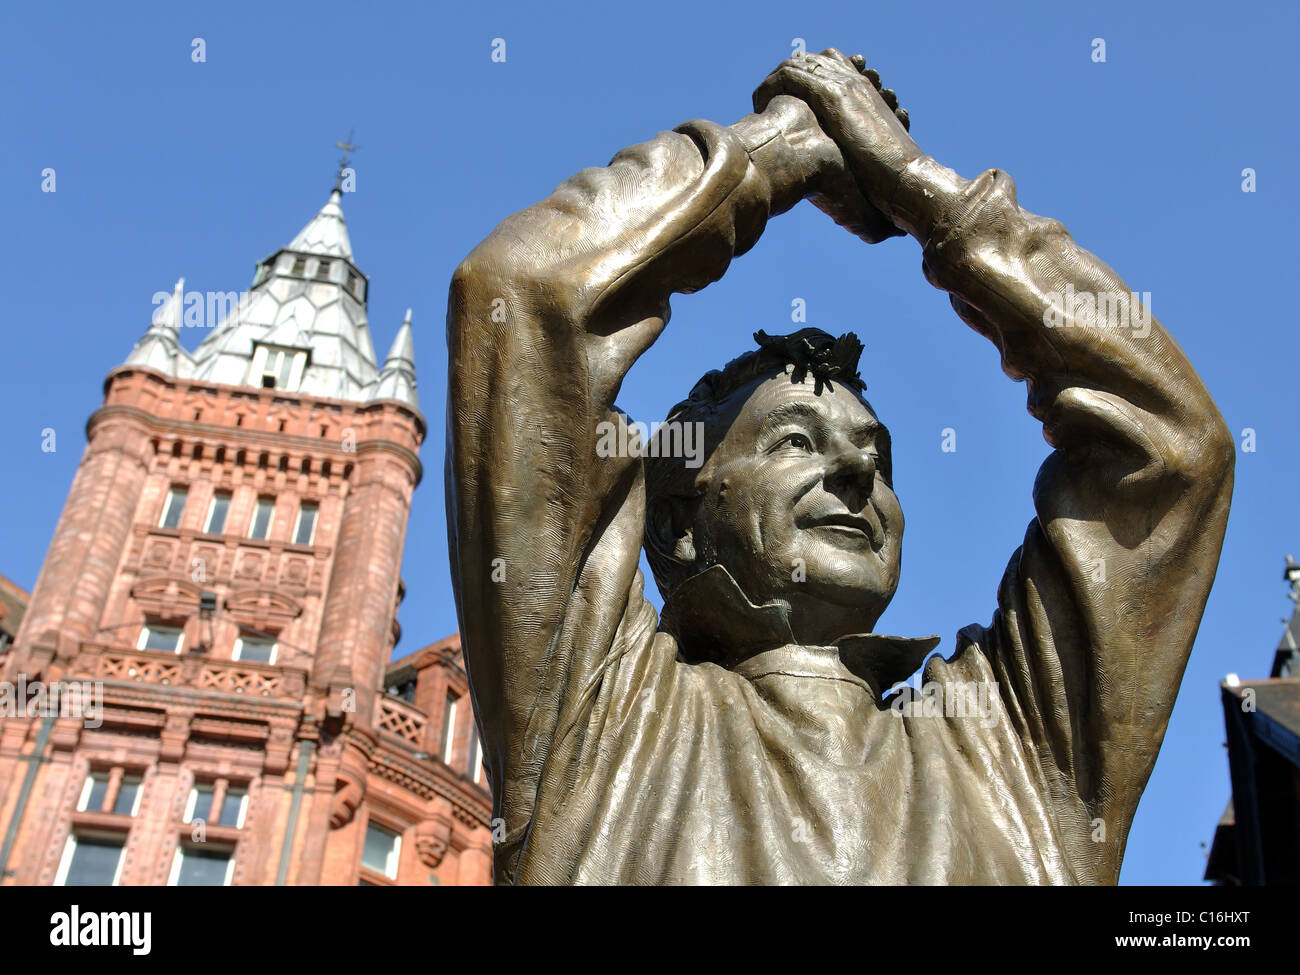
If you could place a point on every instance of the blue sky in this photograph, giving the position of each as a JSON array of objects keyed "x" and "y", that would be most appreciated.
[{"x": 167, "y": 167}]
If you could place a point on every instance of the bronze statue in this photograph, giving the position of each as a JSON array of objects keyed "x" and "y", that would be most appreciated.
[{"x": 746, "y": 737}]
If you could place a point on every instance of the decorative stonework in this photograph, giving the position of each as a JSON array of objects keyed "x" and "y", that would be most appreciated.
[
  {"x": 432, "y": 837},
  {"x": 166, "y": 597},
  {"x": 263, "y": 609},
  {"x": 331, "y": 605}
]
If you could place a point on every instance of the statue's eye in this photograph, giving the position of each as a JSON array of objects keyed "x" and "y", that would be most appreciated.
[{"x": 798, "y": 441}]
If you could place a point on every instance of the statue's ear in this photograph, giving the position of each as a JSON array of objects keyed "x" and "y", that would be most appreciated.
[{"x": 670, "y": 527}]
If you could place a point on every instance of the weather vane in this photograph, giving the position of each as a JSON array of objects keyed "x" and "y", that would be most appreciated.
[{"x": 348, "y": 147}]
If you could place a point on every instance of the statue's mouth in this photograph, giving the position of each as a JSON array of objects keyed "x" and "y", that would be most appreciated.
[{"x": 850, "y": 527}]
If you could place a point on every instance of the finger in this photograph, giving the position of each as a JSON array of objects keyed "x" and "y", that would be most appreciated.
[
  {"x": 873, "y": 76},
  {"x": 838, "y": 57},
  {"x": 890, "y": 98},
  {"x": 859, "y": 62},
  {"x": 906, "y": 119},
  {"x": 779, "y": 82}
]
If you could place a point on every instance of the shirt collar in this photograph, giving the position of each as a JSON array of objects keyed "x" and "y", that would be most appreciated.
[{"x": 714, "y": 621}]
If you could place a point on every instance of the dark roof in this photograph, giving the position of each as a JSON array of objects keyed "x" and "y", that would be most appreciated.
[
  {"x": 404, "y": 668},
  {"x": 1221, "y": 864},
  {"x": 1255, "y": 841},
  {"x": 1277, "y": 699}
]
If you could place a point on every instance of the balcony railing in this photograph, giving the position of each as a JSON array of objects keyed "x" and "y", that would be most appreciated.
[
  {"x": 193, "y": 670},
  {"x": 150, "y": 668},
  {"x": 398, "y": 718}
]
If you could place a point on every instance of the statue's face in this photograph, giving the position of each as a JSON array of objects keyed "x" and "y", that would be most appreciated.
[{"x": 798, "y": 505}]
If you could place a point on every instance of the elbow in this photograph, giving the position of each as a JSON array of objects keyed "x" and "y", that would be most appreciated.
[
  {"x": 484, "y": 290},
  {"x": 1207, "y": 452},
  {"x": 1220, "y": 447},
  {"x": 497, "y": 285},
  {"x": 487, "y": 271}
]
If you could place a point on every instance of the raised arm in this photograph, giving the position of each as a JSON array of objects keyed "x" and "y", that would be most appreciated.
[
  {"x": 545, "y": 318},
  {"x": 1100, "y": 606}
]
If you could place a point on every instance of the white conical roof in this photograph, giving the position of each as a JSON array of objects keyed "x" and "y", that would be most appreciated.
[
  {"x": 159, "y": 347},
  {"x": 311, "y": 297},
  {"x": 308, "y": 296},
  {"x": 327, "y": 233},
  {"x": 397, "y": 378}
]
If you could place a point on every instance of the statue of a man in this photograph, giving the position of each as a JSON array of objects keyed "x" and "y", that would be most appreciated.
[{"x": 746, "y": 736}]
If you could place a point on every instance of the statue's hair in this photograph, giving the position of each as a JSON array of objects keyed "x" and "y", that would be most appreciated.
[{"x": 810, "y": 350}]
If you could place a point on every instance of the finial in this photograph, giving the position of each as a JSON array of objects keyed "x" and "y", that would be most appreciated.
[{"x": 348, "y": 148}]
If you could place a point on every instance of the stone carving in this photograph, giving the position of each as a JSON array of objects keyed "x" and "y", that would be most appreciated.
[{"x": 432, "y": 837}]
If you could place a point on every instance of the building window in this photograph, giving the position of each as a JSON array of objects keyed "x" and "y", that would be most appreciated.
[
  {"x": 127, "y": 801},
  {"x": 323, "y": 270},
  {"x": 448, "y": 728},
  {"x": 217, "y": 512},
  {"x": 305, "y": 530},
  {"x": 299, "y": 265},
  {"x": 93, "y": 792},
  {"x": 475, "y": 754},
  {"x": 381, "y": 851},
  {"x": 173, "y": 508},
  {"x": 91, "y": 861},
  {"x": 260, "y": 526},
  {"x": 217, "y": 803},
  {"x": 404, "y": 690},
  {"x": 165, "y": 639},
  {"x": 234, "y": 807},
  {"x": 195, "y": 866},
  {"x": 354, "y": 283},
  {"x": 276, "y": 369},
  {"x": 256, "y": 649},
  {"x": 200, "y": 805},
  {"x": 110, "y": 792}
]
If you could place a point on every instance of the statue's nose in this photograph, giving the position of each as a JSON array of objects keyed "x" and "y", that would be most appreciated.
[{"x": 851, "y": 475}]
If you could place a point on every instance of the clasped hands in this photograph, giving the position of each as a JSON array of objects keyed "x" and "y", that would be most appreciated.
[{"x": 853, "y": 144}]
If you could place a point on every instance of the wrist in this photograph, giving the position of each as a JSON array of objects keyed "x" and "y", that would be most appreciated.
[
  {"x": 789, "y": 149},
  {"x": 924, "y": 192}
]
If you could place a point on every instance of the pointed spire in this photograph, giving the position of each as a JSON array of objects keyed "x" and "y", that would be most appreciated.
[
  {"x": 403, "y": 348},
  {"x": 327, "y": 233},
  {"x": 168, "y": 315},
  {"x": 159, "y": 347},
  {"x": 397, "y": 378}
]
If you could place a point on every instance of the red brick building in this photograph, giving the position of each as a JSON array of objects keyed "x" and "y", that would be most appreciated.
[{"x": 225, "y": 575}]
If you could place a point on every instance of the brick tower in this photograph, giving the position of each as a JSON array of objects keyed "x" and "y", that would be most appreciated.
[{"x": 225, "y": 578}]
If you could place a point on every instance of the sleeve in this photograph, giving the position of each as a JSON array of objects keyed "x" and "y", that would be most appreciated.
[
  {"x": 545, "y": 317},
  {"x": 1098, "y": 609}
]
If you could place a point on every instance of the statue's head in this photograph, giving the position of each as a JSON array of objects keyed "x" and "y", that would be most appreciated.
[{"x": 794, "y": 496}]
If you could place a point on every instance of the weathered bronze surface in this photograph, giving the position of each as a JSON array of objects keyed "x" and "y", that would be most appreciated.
[{"x": 743, "y": 738}]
